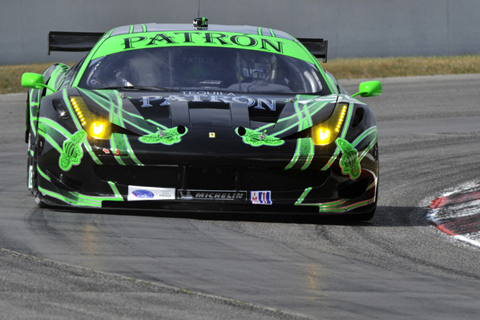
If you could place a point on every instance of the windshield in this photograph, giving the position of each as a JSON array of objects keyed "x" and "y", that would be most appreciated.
[{"x": 203, "y": 68}]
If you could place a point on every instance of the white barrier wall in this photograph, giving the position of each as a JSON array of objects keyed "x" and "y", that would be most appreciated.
[{"x": 354, "y": 28}]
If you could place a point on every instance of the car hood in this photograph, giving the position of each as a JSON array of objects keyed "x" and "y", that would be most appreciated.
[{"x": 138, "y": 111}]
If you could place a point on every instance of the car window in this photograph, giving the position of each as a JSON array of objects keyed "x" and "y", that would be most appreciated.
[
  {"x": 336, "y": 83},
  {"x": 72, "y": 73},
  {"x": 204, "y": 68}
]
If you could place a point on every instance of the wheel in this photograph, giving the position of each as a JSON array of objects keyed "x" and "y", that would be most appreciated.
[
  {"x": 33, "y": 176},
  {"x": 30, "y": 155},
  {"x": 39, "y": 201},
  {"x": 30, "y": 146}
]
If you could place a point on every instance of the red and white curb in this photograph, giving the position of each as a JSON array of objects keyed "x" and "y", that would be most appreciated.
[{"x": 457, "y": 213}]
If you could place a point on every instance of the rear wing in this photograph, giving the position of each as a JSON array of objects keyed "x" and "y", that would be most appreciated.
[
  {"x": 72, "y": 41},
  {"x": 317, "y": 47}
]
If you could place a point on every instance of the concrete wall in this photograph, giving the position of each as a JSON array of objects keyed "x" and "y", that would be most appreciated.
[{"x": 354, "y": 28}]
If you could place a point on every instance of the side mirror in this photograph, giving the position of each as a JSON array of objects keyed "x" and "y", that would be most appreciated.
[
  {"x": 369, "y": 89},
  {"x": 34, "y": 81}
]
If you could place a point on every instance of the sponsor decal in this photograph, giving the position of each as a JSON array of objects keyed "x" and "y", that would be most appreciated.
[
  {"x": 212, "y": 195},
  {"x": 72, "y": 151},
  {"x": 30, "y": 177},
  {"x": 206, "y": 38},
  {"x": 205, "y": 96},
  {"x": 261, "y": 197},
  {"x": 113, "y": 152},
  {"x": 139, "y": 193}
]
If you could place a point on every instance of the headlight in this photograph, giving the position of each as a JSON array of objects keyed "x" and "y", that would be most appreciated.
[
  {"x": 326, "y": 132},
  {"x": 95, "y": 125}
]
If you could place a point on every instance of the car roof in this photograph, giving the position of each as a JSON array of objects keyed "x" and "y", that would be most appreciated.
[
  {"x": 150, "y": 35},
  {"x": 160, "y": 27}
]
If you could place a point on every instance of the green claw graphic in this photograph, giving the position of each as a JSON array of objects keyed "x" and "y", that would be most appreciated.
[
  {"x": 349, "y": 162},
  {"x": 72, "y": 151},
  {"x": 168, "y": 136},
  {"x": 256, "y": 139}
]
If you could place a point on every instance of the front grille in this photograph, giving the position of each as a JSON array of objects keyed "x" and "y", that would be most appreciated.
[
  {"x": 213, "y": 178},
  {"x": 151, "y": 176},
  {"x": 208, "y": 178},
  {"x": 281, "y": 180}
]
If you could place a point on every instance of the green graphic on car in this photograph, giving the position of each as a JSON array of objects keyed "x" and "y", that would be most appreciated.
[
  {"x": 257, "y": 139},
  {"x": 349, "y": 162},
  {"x": 167, "y": 136},
  {"x": 72, "y": 151}
]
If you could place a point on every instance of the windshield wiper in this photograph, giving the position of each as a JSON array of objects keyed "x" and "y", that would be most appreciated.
[{"x": 145, "y": 88}]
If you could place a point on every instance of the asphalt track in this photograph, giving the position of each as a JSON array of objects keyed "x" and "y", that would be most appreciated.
[{"x": 78, "y": 264}]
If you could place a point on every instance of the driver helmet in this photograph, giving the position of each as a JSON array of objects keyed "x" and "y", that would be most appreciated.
[{"x": 255, "y": 65}]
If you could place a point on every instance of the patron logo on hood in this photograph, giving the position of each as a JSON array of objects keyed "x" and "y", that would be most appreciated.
[{"x": 204, "y": 96}]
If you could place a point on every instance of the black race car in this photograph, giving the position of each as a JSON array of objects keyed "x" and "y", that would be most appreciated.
[{"x": 199, "y": 118}]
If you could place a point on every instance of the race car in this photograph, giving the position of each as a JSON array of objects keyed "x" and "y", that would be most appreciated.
[{"x": 200, "y": 118}]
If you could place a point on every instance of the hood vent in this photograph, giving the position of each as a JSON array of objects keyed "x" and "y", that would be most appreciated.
[
  {"x": 218, "y": 114},
  {"x": 210, "y": 114}
]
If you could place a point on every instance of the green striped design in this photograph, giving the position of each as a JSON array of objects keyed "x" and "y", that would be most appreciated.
[
  {"x": 110, "y": 101},
  {"x": 354, "y": 144},
  {"x": 54, "y": 125},
  {"x": 46, "y": 132},
  {"x": 78, "y": 199},
  {"x": 120, "y": 142},
  {"x": 117, "y": 115},
  {"x": 303, "y": 196},
  {"x": 313, "y": 103},
  {"x": 130, "y": 151},
  {"x": 34, "y": 97},
  {"x": 345, "y": 205},
  {"x": 43, "y": 174},
  {"x": 334, "y": 206},
  {"x": 86, "y": 144},
  {"x": 346, "y": 125},
  {"x": 305, "y": 150}
]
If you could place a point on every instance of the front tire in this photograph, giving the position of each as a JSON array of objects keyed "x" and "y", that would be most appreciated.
[{"x": 33, "y": 177}]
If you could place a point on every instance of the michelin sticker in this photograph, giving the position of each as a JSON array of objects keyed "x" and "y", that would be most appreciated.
[{"x": 138, "y": 193}]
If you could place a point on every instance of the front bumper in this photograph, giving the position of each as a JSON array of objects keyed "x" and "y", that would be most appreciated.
[{"x": 210, "y": 188}]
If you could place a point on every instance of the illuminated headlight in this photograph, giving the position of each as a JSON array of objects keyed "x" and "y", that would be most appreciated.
[
  {"x": 98, "y": 129},
  {"x": 326, "y": 132},
  {"x": 95, "y": 125}
]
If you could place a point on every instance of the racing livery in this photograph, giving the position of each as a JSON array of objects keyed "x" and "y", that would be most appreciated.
[{"x": 199, "y": 118}]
